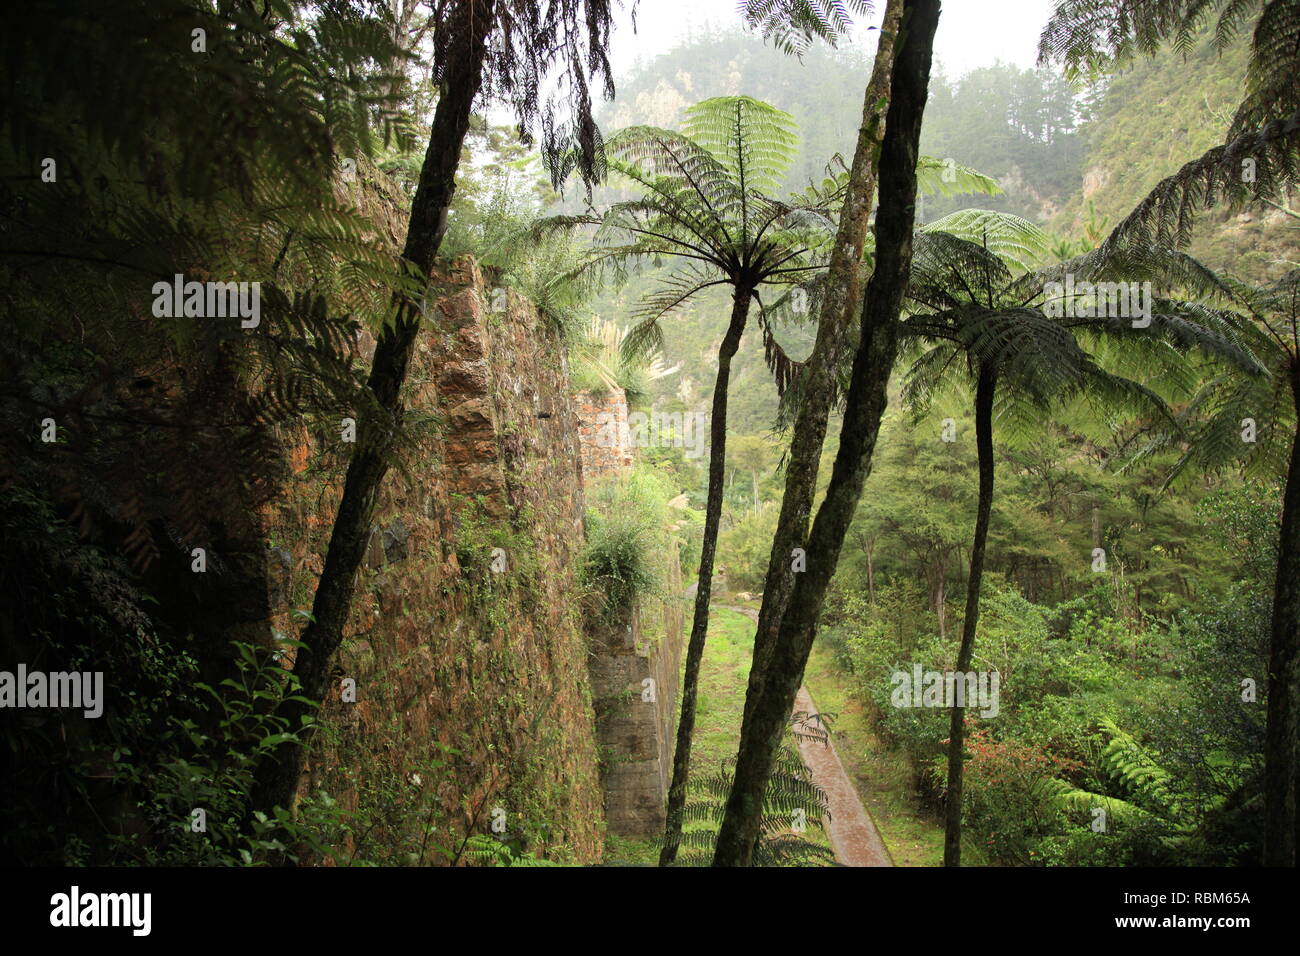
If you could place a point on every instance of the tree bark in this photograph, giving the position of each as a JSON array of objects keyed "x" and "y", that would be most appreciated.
[
  {"x": 984, "y": 445},
  {"x": 406, "y": 37},
  {"x": 277, "y": 779},
  {"x": 1281, "y": 823},
  {"x": 704, "y": 587},
  {"x": 783, "y": 666},
  {"x": 816, "y": 382}
]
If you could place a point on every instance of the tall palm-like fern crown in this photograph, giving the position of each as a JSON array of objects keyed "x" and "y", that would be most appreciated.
[{"x": 705, "y": 202}]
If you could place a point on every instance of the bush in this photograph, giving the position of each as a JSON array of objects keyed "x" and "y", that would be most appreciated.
[
  {"x": 629, "y": 533},
  {"x": 1007, "y": 801}
]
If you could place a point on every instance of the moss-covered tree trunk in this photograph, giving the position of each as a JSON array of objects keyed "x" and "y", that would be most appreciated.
[
  {"x": 704, "y": 587},
  {"x": 984, "y": 391},
  {"x": 816, "y": 382},
  {"x": 864, "y": 405},
  {"x": 277, "y": 780},
  {"x": 1281, "y": 768}
]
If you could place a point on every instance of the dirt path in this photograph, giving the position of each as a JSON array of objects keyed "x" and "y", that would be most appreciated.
[{"x": 852, "y": 835}]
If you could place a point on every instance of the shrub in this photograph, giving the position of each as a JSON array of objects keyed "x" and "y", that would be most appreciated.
[
  {"x": 1007, "y": 800},
  {"x": 628, "y": 534}
]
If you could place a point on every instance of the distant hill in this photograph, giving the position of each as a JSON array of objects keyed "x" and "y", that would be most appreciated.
[{"x": 1155, "y": 116}]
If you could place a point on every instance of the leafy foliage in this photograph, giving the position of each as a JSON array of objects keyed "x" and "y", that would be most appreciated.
[
  {"x": 629, "y": 526},
  {"x": 792, "y": 25},
  {"x": 601, "y": 363},
  {"x": 791, "y": 803}
]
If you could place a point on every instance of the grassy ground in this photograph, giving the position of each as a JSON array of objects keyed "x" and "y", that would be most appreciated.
[
  {"x": 630, "y": 852},
  {"x": 724, "y": 674}
]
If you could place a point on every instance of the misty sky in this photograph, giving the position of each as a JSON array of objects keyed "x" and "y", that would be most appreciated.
[{"x": 972, "y": 33}]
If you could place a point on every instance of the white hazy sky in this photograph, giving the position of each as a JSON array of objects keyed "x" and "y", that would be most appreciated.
[{"x": 972, "y": 33}]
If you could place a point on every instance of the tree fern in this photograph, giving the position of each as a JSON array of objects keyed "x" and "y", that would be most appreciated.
[
  {"x": 703, "y": 200},
  {"x": 792, "y": 802},
  {"x": 1146, "y": 787},
  {"x": 792, "y": 25},
  {"x": 1068, "y": 798},
  {"x": 140, "y": 195},
  {"x": 974, "y": 321}
]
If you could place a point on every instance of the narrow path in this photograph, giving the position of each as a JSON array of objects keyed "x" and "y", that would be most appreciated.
[{"x": 853, "y": 835}]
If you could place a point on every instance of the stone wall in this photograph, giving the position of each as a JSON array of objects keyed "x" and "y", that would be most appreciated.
[
  {"x": 468, "y": 638},
  {"x": 636, "y": 655},
  {"x": 465, "y": 639},
  {"x": 603, "y": 431},
  {"x": 635, "y": 677}
]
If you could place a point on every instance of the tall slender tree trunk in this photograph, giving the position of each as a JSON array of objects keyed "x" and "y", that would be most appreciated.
[
  {"x": 704, "y": 587},
  {"x": 1281, "y": 767},
  {"x": 939, "y": 596},
  {"x": 984, "y": 445},
  {"x": 404, "y": 13},
  {"x": 768, "y": 714},
  {"x": 816, "y": 382},
  {"x": 277, "y": 779},
  {"x": 871, "y": 572}
]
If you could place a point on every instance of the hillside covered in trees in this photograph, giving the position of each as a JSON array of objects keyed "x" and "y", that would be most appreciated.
[{"x": 427, "y": 446}]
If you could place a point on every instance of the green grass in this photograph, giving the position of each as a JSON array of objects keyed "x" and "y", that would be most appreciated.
[
  {"x": 623, "y": 852},
  {"x": 724, "y": 674}
]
